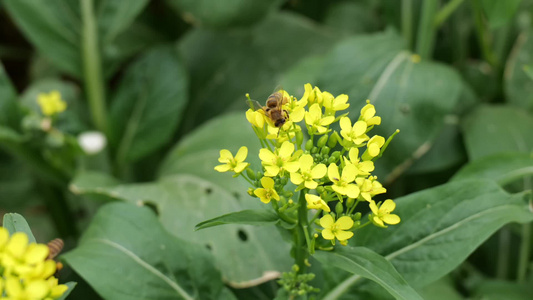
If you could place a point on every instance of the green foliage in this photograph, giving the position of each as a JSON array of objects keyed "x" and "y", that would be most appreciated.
[{"x": 164, "y": 83}]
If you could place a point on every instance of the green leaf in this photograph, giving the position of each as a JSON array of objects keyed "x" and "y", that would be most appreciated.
[
  {"x": 16, "y": 223},
  {"x": 495, "y": 129},
  {"x": 366, "y": 263},
  {"x": 213, "y": 13},
  {"x": 503, "y": 168},
  {"x": 246, "y": 61},
  {"x": 148, "y": 104},
  {"x": 410, "y": 96},
  {"x": 115, "y": 16},
  {"x": 53, "y": 27},
  {"x": 9, "y": 114},
  {"x": 500, "y": 13},
  {"x": 518, "y": 88},
  {"x": 442, "y": 289},
  {"x": 499, "y": 289},
  {"x": 159, "y": 266},
  {"x": 71, "y": 285},
  {"x": 255, "y": 217},
  {"x": 351, "y": 18},
  {"x": 9, "y": 135},
  {"x": 441, "y": 226}
]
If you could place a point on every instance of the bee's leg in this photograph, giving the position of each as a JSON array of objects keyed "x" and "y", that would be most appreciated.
[{"x": 286, "y": 114}]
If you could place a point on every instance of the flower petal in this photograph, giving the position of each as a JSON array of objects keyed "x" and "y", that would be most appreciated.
[
  {"x": 267, "y": 182},
  {"x": 326, "y": 221},
  {"x": 354, "y": 155},
  {"x": 373, "y": 207},
  {"x": 346, "y": 124},
  {"x": 319, "y": 171},
  {"x": 225, "y": 156},
  {"x": 223, "y": 168},
  {"x": 391, "y": 219},
  {"x": 388, "y": 206},
  {"x": 344, "y": 223},
  {"x": 310, "y": 184},
  {"x": 327, "y": 234},
  {"x": 241, "y": 154},
  {"x": 378, "y": 221},
  {"x": 333, "y": 172},
  {"x": 271, "y": 170},
  {"x": 291, "y": 166},
  {"x": 359, "y": 128},
  {"x": 306, "y": 162},
  {"x": 267, "y": 156},
  {"x": 348, "y": 173},
  {"x": 343, "y": 235},
  {"x": 286, "y": 149},
  {"x": 296, "y": 178},
  {"x": 352, "y": 191}
]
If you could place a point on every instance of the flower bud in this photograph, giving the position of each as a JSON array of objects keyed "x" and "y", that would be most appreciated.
[
  {"x": 350, "y": 202},
  {"x": 322, "y": 141},
  {"x": 314, "y": 150},
  {"x": 332, "y": 142},
  {"x": 299, "y": 138},
  {"x": 336, "y": 154},
  {"x": 339, "y": 208},
  {"x": 332, "y": 160},
  {"x": 357, "y": 216},
  {"x": 320, "y": 189},
  {"x": 325, "y": 150},
  {"x": 250, "y": 173},
  {"x": 251, "y": 192},
  {"x": 309, "y": 145}
]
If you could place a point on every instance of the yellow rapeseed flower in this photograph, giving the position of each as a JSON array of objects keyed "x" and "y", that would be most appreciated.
[
  {"x": 282, "y": 160},
  {"x": 51, "y": 103},
  {"x": 267, "y": 192},
  {"x": 363, "y": 167},
  {"x": 256, "y": 118},
  {"x": 235, "y": 164},
  {"x": 355, "y": 134},
  {"x": 342, "y": 184},
  {"x": 308, "y": 172},
  {"x": 314, "y": 119},
  {"x": 373, "y": 147},
  {"x": 368, "y": 114},
  {"x": 369, "y": 187},
  {"x": 336, "y": 229},
  {"x": 315, "y": 202},
  {"x": 382, "y": 214},
  {"x": 334, "y": 104}
]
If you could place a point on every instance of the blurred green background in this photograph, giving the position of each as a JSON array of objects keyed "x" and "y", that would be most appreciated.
[{"x": 161, "y": 79}]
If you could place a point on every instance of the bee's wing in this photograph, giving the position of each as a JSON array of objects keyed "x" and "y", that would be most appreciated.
[{"x": 254, "y": 105}]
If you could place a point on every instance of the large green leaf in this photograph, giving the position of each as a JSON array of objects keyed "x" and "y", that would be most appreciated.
[
  {"x": 503, "y": 168},
  {"x": 54, "y": 26},
  {"x": 440, "y": 227},
  {"x": 127, "y": 254},
  {"x": 183, "y": 201},
  {"x": 500, "y": 13},
  {"x": 494, "y": 129},
  {"x": 366, "y": 263},
  {"x": 16, "y": 223},
  {"x": 246, "y": 61},
  {"x": 412, "y": 96},
  {"x": 8, "y": 104},
  {"x": 213, "y": 13},
  {"x": 257, "y": 217},
  {"x": 351, "y": 17},
  {"x": 148, "y": 104},
  {"x": 518, "y": 86}
]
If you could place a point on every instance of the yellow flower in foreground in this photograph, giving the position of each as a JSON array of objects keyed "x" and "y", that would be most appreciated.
[
  {"x": 296, "y": 109},
  {"x": 369, "y": 187},
  {"x": 356, "y": 133},
  {"x": 268, "y": 192},
  {"x": 314, "y": 119},
  {"x": 363, "y": 167},
  {"x": 373, "y": 147},
  {"x": 279, "y": 162},
  {"x": 334, "y": 104},
  {"x": 51, "y": 103},
  {"x": 236, "y": 163},
  {"x": 256, "y": 118},
  {"x": 382, "y": 214},
  {"x": 308, "y": 172},
  {"x": 336, "y": 229},
  {"x": 315, "y": 202},
  {"x": 368, "y": 114},
  {"x": 341, "y": 184}
]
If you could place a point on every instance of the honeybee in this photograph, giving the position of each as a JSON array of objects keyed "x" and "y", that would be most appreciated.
[
  {"x": 274, "y": 108},
  {"x": 55, "y": 246}
]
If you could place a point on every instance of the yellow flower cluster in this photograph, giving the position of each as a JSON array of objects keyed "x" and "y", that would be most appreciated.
[
  {"x": 51, "y": 103},
  {"x": 329, "y": 167},
  {"x": 25, "y": 271}
]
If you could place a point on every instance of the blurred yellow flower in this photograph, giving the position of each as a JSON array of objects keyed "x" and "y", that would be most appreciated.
[
  {"x": 275, "y": 163},
  {"x": 363, "y": 167},
  {"x": 342, "y": 184},
  {"x": 334, "y": 104},
  {"x": 356, "y": 133},
  {"x": 268, "y": 192},
  {"x": 308, "y": 172},
  {"x": 368, "y": 114},
  {"x": 51, "y": 103},
  {"x": 314, "y": 119},
  {"x": 369, "y": 187},
  {"x": 373, "y": 147},
  {"x": 315, "y": 202}
]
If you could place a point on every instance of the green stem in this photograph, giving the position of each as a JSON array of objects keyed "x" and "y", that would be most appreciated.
[
  {"x": 426, "y": 30},
  {"x": 407, "y": 22},
  {"x": 483, "y": 34},
  {"x": 92, "y": 67},
  {"x": 300, "y": 236},
  {"x": 59, "y": 208},
  {"x": 525, "y": 249},
  {"x": 445, "y": 12},
  {"x": 502, "y": 265}
]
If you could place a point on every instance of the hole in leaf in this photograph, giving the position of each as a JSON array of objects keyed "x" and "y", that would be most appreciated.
[
  {"x": 242, "y": 235},
  {"x": 208, "y": 190},
  {"x": 208, "y": 247},
  {"x": 237, "y": 195}
]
